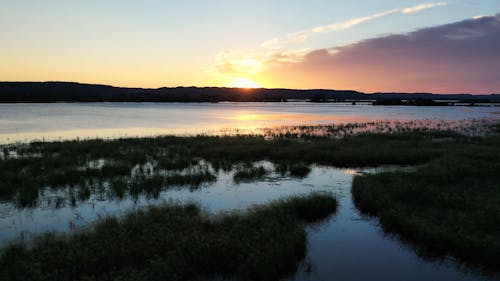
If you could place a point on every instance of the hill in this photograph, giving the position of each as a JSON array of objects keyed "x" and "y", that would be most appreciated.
[{"x": 18, "y": 92}]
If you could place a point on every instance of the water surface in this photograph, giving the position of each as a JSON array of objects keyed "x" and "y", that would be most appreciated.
[{"x": 25, "y": 122}]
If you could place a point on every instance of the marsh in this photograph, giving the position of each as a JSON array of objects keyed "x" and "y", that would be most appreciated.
[{"x": 74, "y": 185}]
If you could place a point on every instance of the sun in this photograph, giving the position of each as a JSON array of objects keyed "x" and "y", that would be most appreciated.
[{"x": 244, "y": 83}]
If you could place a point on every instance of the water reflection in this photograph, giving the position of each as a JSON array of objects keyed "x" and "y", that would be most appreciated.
[
  {"x": 352, "y": 247},
  {"x": 297, "y": 118},
  {"x": 26, "y": 122}
]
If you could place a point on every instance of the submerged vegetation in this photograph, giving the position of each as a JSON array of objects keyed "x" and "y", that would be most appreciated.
[{"x": 175, "y": 242}]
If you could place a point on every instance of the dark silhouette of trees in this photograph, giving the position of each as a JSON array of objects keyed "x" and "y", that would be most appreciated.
[{"x": 17, "y": 92}]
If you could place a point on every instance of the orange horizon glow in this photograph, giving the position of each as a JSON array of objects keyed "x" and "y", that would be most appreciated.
[{"x": 243, "y": 83}]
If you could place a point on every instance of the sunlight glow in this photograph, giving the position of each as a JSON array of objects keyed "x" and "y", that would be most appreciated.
[
  {"x": 249, "y": 66},
  {"x": 243, "y": 83}
]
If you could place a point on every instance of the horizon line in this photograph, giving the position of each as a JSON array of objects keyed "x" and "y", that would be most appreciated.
[{"x": 250, "y": 89}]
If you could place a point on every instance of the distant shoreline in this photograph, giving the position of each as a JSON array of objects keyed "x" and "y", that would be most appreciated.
[
  {"x": 494, "y": 103},
  {"x": 53, "y": 92}
]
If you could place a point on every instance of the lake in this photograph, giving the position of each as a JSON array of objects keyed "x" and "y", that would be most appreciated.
[{"x": 26, "y": 122}]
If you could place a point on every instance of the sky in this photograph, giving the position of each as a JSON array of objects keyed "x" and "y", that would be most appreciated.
[{"x": 367, "y": 45}]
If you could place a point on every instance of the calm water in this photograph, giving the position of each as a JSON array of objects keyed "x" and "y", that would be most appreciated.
[
  {"x": 24, "y": 122},
  {"x": 347, "y": 246}
]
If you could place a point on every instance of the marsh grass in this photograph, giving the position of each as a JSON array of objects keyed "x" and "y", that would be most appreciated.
[
  {"x": 449, "y": 207},
  {"x": 175, "y": 242},
  {"x": 80, "y": 164},
  {"x": 27, "y": 168},
  {"x": 249, "y": 173},
  {"x": 295, "y": 170}
]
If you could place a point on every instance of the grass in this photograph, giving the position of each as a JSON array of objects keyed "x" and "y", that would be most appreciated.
[
  {"x": 296, "y": 170},
  {"x": 449, "y": 207},
  {"x": 175, "y": 242},
  {"x": 249, "y": 173}
]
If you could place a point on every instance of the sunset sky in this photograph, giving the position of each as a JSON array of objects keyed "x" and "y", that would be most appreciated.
[{"x": 368, "y": 45}]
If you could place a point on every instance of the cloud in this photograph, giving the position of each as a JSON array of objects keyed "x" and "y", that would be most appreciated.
[
  {"x": 271, "y": 44},
  {"x": 284, "y": 49},
  {"x": 302, "y": 36},
  {"x": 352, "y": 22},
  {"x": 479, "y": 17},
  {"x": 236, "y": 63},
  {"x": 452, "y": 58},
  {"x": 422, "y": 7},
  {"x": 289, "y": 56}
]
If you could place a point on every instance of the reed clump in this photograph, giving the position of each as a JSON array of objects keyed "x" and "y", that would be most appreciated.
[
  {"x": 249, "y": 173},
  {"x": 295, "y": 170}
]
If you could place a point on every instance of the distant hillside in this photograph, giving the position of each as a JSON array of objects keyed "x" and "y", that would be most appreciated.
[{"x": 11, "y": 92}]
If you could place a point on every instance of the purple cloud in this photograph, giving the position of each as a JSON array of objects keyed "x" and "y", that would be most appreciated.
[{"x": 461, "y": 57}]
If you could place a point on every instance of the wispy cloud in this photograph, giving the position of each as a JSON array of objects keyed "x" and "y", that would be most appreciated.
[
  {"x": 480, "y": 17},
  {"x": 300, "y": 37},
  {"x": 422, "y": 7}
]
